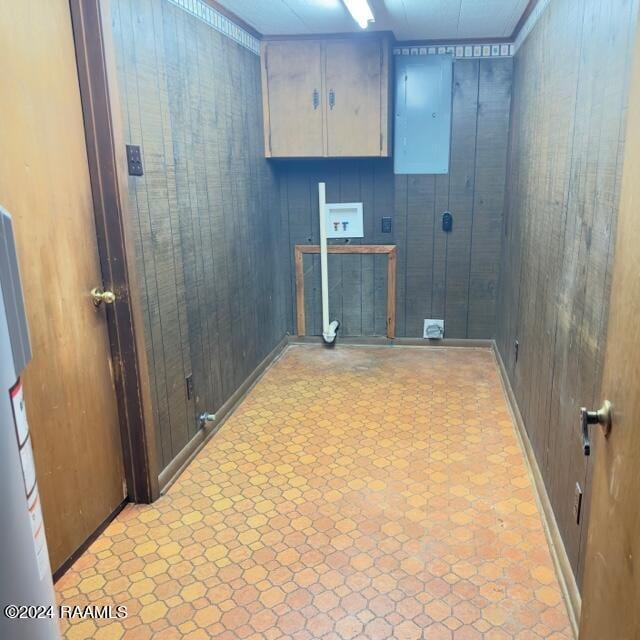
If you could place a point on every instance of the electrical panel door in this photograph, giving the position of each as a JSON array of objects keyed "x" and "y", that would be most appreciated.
[{"x": 423, "y": 114}]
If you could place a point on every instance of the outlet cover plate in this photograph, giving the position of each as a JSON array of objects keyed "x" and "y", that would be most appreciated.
[
  {"x": 134, "y": 160},
  {"x": 433, "y": 329}
]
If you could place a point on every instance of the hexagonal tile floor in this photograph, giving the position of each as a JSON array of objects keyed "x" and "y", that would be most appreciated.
[{"x": 356, "y": 493}]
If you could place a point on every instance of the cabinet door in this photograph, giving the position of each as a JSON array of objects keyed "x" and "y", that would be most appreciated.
[
  {"x": 356, "y": 97},
  {"x": 292, "y": 80}
]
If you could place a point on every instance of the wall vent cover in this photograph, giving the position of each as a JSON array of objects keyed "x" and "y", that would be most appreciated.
[{"x": 433, "y": 329}]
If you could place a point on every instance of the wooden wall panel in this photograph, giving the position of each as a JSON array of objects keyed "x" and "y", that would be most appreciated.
[
  {"x": 400, "y": 230},
  {"x": 464, "y": 126},
  {"x": 206, "y": 212},
  {"x": 567, "y": 134},
  {"x": 451, "y": 276},
  {"x": 494, "y": 100},
  {"x": 420, "y": 225}
]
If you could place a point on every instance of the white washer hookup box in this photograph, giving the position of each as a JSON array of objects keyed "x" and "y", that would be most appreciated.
[{"x": 344, "y": 220}]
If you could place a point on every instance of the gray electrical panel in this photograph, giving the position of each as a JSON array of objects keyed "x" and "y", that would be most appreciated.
[{"x": 423, "y": 113}]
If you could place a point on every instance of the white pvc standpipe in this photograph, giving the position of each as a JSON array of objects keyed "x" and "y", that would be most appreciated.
[
  {"x": 324, "y": 275},
  {"x": 328, "y": 329}
]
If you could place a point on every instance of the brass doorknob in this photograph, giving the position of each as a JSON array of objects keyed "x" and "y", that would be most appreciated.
[{"x": 99, "y": 296}]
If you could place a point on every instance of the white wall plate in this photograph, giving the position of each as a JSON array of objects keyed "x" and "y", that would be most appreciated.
[
  {"x": 344, "y": 220},
  {"x": 433, "y": 329}
]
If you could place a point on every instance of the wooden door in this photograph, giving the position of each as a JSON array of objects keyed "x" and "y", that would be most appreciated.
[
  {"x": 611, "y": 588},
  {"x": 292, "y": 78},
  {"x": 354, "y": 97},
  {"x": 44, "y": 184}
]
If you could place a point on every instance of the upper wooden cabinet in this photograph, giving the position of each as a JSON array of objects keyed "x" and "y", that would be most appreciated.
[
  {"x": 293, "y": 98},
  {"x": 326, "y": 97}
]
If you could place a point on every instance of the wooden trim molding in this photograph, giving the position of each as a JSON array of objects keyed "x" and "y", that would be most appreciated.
[
  {"x": 530, "y": 19},
  {"x": 386, "y": 249},
  {"x": 524, "y": 25},
  {"x": 439, "y": 42},
  {"x": 531, "y": 5},
  {"x": 343, "y": 35},
  {"x": 234, "y": 17},
  {"x": 564, "y": 572},
  {"x": 96, "y": 75},
  {"x": 223, "y": 21}
]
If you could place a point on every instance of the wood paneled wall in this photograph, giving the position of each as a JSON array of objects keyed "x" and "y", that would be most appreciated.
[
  {"x": 451, "y": 276},
  {"x": 569, "y": 100},
  {"x": 209, "y": 245}
]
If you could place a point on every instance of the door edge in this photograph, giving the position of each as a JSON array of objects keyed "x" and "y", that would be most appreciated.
[{"x": 103, "y": 132}]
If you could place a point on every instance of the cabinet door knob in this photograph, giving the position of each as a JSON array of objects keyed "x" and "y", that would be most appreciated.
[{"x": 602, "y": 417}]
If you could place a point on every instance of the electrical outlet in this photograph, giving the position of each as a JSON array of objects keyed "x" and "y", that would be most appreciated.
[
  {"x": 134, "y": 160},
  {"x": 447, "y": 222},
  {"x": 577, "y": 503},
  {"x": 433, "y": 329},
  {"x": 386, "y": 224}
]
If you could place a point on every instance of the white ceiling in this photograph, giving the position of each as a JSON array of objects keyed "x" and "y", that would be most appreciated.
[{"x": 408, "y": 19}]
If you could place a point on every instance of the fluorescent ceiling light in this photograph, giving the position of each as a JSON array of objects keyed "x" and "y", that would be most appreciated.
[{"x": 360, "y": 11}]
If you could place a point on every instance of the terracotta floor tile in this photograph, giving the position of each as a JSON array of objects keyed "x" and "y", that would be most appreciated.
[{"x": 355, "y": 493}]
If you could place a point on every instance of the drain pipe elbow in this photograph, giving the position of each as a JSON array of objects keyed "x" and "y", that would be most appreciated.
[{"x": 329, "y": 336}]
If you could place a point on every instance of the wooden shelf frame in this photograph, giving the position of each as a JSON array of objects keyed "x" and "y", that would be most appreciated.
[{"x": 386, "y": 249}]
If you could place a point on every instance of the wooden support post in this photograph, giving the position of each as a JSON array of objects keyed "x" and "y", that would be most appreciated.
[
  {"x": 391, "y": 294},
  {"x": 300, "y": 321}
]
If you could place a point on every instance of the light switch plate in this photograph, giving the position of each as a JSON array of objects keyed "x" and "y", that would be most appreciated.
[{"x": 134, "y": 160}]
